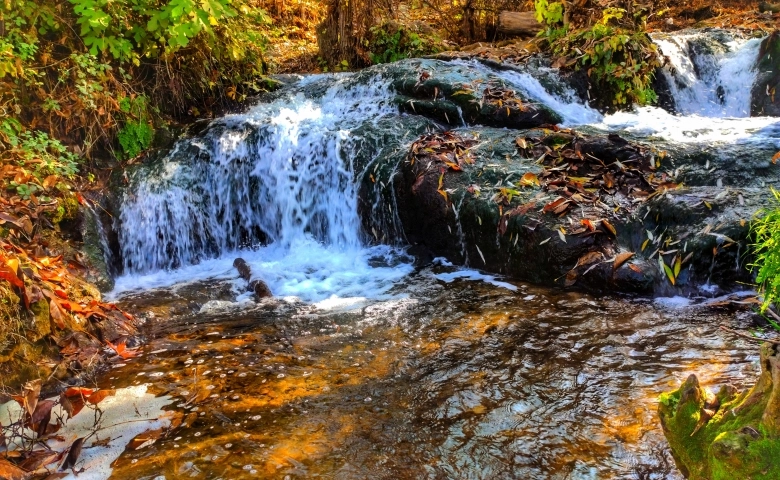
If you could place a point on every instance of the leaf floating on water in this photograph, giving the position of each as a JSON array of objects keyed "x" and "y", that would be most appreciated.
[
  {"x": 775, "y": 158},
  {"x": 621, "y": 258},
  {"x": 479, "y": 219}
]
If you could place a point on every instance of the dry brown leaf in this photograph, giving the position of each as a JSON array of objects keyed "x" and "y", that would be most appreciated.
[{"x": 620, "y": 259}]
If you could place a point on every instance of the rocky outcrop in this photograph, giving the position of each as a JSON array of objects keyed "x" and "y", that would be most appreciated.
[
  {"x": 530, "y": 204},
  {"x": 765, "y": 95},
  {"x": 727, "y": 435},
  {"x": 456, "y": 95}
]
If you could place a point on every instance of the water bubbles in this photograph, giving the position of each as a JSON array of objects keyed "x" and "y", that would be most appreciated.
[
  {"x": 228, "y": 445},
  {"x": 211, "y": 387},
  {"x": 255, "y": 418},
  {"x": 281, "y": 375},
  {"x": 198, "y": 434},
  {"x": 247, "y": 467},
  {"x": 242, "y": 374}
]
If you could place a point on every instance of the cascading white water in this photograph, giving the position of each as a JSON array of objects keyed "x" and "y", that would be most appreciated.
[
  {"x": 712, "y": 83},
  {"x": 279, "y": 175}
]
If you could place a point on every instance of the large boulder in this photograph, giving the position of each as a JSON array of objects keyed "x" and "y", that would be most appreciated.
[
  {"x": 567, "y": 208},
  {"x": 765, "y": 94}
]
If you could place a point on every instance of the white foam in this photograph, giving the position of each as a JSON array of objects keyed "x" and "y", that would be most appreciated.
[
  {"x": 474, "y": 276},
  {"x": 307, "y": 270},
  {"x": 656, "y": 122},
  {"x": 125, "y": 415}
]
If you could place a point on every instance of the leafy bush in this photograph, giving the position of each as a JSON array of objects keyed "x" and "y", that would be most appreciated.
[
  {"x": 620, "y": 60},
  {"x": 390, "y": 43},
  {"x": 137, "y": 133},
  {"x": 766, "y": 234}
]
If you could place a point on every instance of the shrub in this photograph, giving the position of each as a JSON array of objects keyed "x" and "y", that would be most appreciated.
[
  {"x": 390, "y": 43},
  {"x": 620, "y": 60},
  {"x": 766, "y": 234}
]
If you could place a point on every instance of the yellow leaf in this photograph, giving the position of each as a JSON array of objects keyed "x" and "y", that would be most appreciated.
[
  {"x": 644, "y": 244},
  {"x": 529, "y": 179},
  {"x": 13, "y": 264}
]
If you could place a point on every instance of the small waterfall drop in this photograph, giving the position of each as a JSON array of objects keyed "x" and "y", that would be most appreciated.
[
  {"x": 710, "y": 74},
  {"x": 276, "y": 182}
]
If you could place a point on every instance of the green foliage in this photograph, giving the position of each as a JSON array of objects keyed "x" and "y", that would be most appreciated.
[
  {"x": 766, "y": 234},
  {"x": 391, "y": 43},
  {"x": 620, "y": 61},
  {"x": 137, "y": 133},
  {"x": 129, "y": 29},
  {"x": 548, "y": 13}
]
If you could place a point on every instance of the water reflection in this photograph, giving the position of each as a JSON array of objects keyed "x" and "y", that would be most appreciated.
[{"x": 463, "y": 380}]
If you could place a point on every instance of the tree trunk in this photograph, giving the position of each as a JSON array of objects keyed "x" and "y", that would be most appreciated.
[{"x": 518, "y": 24}]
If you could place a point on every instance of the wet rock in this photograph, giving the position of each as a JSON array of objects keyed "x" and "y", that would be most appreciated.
[
  {"x": 765, "y": 97},
  {"x": 243, "y": 268},
  {"x": 464, "y": 216},
  {"x": 260, "y": 289},
  {"x": 727, "y": 435},
  {"x": 452, "y": 94}
]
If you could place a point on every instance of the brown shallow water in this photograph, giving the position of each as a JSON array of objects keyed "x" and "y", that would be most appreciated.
[{"x": 462, "y": 380}]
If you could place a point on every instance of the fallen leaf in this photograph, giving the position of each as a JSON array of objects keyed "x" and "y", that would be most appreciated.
[
  {"x": 9, "y": 471},
  {"x": 776, "y": 157},
  {"x": 588, "y": 258},
  {"x": 529, "y": 179},
  {"x": 620, "y": 259},
  {"x": 609, "y": 227},
  {"x": 99, "y": 396},
  {"x": 73, "y": 454}
]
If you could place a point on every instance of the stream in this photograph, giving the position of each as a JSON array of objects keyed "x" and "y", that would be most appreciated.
[{"x": 368, "y": 364}]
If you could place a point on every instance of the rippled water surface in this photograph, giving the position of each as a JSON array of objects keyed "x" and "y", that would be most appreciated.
[{"x": 458, "y": 380}]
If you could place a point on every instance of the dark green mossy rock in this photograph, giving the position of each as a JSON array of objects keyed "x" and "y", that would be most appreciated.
[
  {"x": 765, "y": 95},
  {"x": 726, "y": 436}
]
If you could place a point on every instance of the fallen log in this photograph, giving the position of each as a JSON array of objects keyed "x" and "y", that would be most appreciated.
[{"x": 518, "y": 24}]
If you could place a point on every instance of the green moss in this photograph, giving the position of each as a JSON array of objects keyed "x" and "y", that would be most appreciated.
[{"x": 735, "y": 442}]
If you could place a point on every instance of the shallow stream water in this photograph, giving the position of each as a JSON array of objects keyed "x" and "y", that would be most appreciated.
[{"x": 458, "y": 380}]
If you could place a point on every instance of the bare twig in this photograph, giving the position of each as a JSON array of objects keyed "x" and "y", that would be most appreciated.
[{"x": 748, "y": 337}]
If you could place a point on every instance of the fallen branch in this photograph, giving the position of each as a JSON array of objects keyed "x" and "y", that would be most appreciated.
[{"x": 748, "y": 337}]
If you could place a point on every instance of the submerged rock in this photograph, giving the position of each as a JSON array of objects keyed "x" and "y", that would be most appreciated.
[
  {"x": 243, "y": 268},
  {"x": 727, "y": 435}
]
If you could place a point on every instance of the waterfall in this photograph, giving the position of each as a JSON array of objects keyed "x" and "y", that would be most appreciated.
[
  {"x": 276, "y": 182},
  {"x": 710, "y": 74}
]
